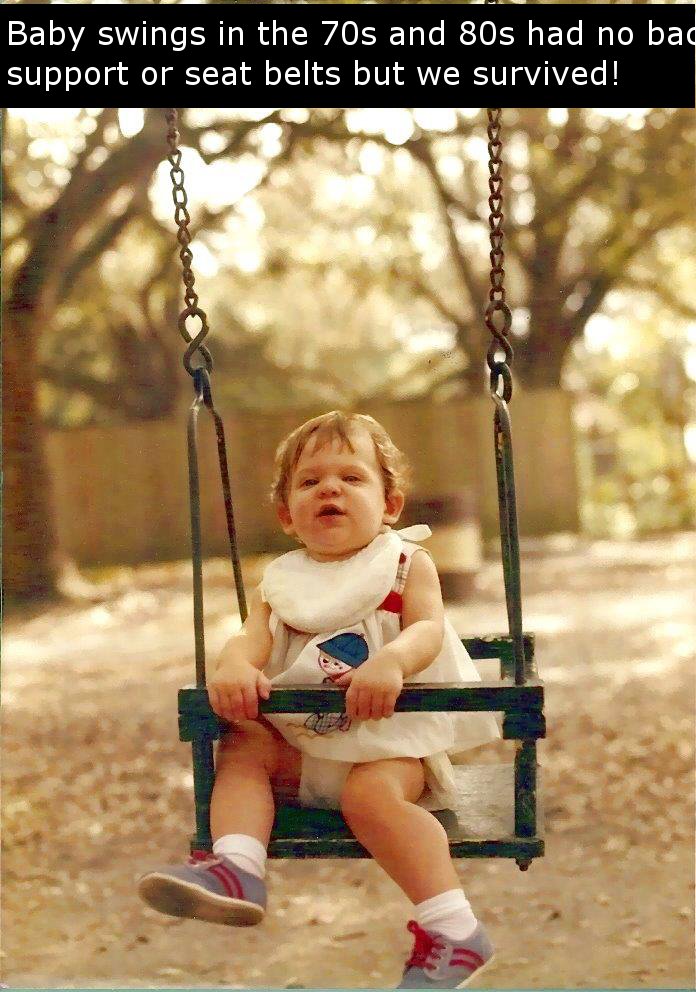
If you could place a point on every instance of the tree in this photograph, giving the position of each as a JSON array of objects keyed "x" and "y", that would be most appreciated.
[
  {"x": 56, "y": 246},
  {"x": 585, "y": 197}
]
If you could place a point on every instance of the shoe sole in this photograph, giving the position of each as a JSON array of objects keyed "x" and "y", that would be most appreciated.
[
  {"x": 180, "y": 898},
  {"x": 475, "y": 974}
]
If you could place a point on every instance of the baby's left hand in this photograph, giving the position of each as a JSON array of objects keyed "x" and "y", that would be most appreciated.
[{"x": 373, "y": 688}]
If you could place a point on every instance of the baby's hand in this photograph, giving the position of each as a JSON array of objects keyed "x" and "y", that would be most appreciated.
[
  {"x": 373, "y": 688},
  {"x": 235, "y": 688}
]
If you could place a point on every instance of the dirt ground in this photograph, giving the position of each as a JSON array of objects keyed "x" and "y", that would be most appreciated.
[{"x": 97, "y": 786}]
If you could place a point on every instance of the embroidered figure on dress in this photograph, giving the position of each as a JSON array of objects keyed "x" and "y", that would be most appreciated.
[{"x": 337, "y": 656}]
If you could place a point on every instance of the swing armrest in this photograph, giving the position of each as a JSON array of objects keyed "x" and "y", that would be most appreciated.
[
  {"x": 501, "y": 646},
  {"x": 522, "y": 705}
]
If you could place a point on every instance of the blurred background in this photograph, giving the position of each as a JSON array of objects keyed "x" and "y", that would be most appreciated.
[{"x": 342, "y": 258}]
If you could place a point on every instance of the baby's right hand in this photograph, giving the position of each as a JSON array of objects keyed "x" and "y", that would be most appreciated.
[{"x": 234, "y": 691}]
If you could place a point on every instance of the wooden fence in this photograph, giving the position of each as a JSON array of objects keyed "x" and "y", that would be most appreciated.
[{"x": 122, "y": 496}]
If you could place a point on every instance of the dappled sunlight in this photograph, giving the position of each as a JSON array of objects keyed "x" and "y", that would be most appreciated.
[
  {"x": 395, "y": 123},
  {"x": 613, "y": 673},
  {"x": 682, "y": 548},
  {"x": 130, "y": 120},
  {"x": 645, "y": 608},
  {"x": 548, "y": 624},
  {"x": 127, "y": 630},
  {"x": 617, "y": 770}
]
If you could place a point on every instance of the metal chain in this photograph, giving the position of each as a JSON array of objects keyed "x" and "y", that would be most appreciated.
[
  {"x": 497, "y": 305},
  {"x": 201, "y": 383},
  {"x": 496, "y": 296},
  {"x": 182, "y": 219}
]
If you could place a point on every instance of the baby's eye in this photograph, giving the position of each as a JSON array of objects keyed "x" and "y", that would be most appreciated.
[
  {"x": 306, "y": 483},
  {"x": 352, "y": 478}
]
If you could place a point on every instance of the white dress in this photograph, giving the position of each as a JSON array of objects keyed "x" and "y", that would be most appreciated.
[{"x": 329, "y": 617}]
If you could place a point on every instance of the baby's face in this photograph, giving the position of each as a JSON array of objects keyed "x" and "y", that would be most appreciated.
[{"x": 336, "y": 503}]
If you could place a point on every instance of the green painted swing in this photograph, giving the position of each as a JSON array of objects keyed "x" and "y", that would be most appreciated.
[{"x": 497, "y": 813}]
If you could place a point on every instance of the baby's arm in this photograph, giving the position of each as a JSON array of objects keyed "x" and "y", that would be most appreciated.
[
  {"x": 375, "y": 686},
  {"x": 422, "y": 618},
  {"x": 238, "y": 680}
]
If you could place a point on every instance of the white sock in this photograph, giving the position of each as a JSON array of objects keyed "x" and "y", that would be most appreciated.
[
  {"x": 449, "y": 914},
  {"x": 244, "y": 851}
]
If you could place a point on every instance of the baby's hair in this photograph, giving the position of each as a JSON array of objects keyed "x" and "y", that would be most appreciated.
[{"x": 393, "y": 463}]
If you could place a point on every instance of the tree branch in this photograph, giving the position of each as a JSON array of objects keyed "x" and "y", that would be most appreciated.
[
  {"x": 609, "y": 267},
  {"x": 663, "y": 292},
  {"x": 474, "y": 286},
  {"x": 429, "y": 293},
  {"x": 102, "y": 391},
  {"x": 97, "y": 245}
]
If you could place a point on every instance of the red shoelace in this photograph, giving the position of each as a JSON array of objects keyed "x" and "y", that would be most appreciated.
[
  {"x": 202, "y": 858},
  {"x": 423, "y": 947}
]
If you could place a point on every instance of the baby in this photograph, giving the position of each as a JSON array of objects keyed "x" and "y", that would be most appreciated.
[{"x": 357, "y": 606}]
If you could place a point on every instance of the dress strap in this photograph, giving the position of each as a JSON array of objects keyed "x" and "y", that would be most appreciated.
[{"x": 394, "y": 600}]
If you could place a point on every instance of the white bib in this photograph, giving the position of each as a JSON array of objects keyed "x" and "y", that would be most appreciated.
[{"x": 317, "y": 596}]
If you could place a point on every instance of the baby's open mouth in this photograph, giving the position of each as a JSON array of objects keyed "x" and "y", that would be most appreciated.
[{"x": 330, "y": 511}]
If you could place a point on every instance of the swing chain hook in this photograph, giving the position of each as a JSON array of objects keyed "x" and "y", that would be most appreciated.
[
  {"x": 182, "y": 218},
  {"x": 498, "y": 317}
]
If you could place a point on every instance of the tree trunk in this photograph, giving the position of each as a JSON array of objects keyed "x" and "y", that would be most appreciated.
[
  {"x": 31, "y": 563},
  {"x": 30, "y": 560},
  {"x": 539, "y": 358}
]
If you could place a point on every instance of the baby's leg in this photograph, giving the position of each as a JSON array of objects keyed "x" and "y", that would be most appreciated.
[
  {"x": 379, "y": 805},
  {"x": 229, "y": 888},
  {"x": 251, "y": 757}
]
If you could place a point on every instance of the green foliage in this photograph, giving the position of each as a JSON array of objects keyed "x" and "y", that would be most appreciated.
[
  {"x": 341, "y": 254},
  {"x": 636, "y": 415}
]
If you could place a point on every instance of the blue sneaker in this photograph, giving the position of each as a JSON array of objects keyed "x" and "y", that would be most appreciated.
[
  {"x": 207, "y": 888},
  {"x": 439, "y": 963}
]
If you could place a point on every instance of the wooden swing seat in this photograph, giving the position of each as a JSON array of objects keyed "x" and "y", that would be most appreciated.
[
  {"x": 481, "y": 826},
  {"x": 497, "y": 812}
]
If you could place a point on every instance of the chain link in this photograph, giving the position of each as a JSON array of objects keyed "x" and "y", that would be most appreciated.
[
  {"x": 496, "y": 296},
  {"x": 498, "y": 317},
  {"x": 182, "y": 219}
]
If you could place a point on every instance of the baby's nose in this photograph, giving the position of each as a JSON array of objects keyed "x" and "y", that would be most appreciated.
[{"x": 329, "y": 485}]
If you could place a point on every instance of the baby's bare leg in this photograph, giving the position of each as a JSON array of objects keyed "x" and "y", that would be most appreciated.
[
  {"x": 251, "y": 758},
  {"x": 378, "y": 803},
  {"x": 228, "y": 888}
]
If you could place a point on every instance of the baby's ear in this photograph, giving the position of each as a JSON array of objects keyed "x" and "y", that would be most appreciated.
[
  {"x": 393, "y": 505},
  {"x": 285, "y": 519}
]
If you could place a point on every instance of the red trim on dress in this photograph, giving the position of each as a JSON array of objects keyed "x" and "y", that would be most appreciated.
[{"x": 393, "y": 603}]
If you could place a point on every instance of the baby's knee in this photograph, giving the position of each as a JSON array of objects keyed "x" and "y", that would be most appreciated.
[
  {"x": 373, "y": 789},
  {"x": 363, "y": 795}
]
